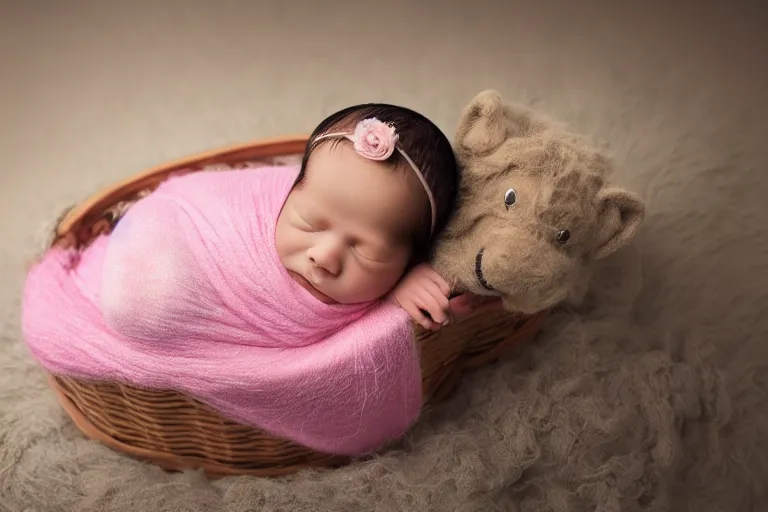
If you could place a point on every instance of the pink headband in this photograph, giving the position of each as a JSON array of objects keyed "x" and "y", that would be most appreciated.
[{"x": 376, "y": 140}]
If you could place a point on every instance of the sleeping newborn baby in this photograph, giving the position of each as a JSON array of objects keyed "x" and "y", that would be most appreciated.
[
  {"x": 293, "y": 253},
  {"x": 377, "y": 183}
]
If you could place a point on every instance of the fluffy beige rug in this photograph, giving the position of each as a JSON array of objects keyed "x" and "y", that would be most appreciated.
[{"x": 652, "y": 396}]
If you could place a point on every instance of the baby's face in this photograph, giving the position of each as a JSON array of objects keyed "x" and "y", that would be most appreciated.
[{"x": 345, "y": 233}]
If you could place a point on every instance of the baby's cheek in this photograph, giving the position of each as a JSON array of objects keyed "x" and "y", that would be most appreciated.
[
  {"x": 393, "y": 274},
  {"x": 290, "y": 242},
  {"x": 371, "y": 282}
]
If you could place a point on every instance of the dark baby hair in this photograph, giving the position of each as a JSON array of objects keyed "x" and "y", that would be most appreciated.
[{"x": 420, "y": 139}]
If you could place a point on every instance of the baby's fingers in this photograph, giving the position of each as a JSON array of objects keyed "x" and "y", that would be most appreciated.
[
  {"x": 418, "y": 316},
  {"x": 433, "y": 305},
  {"x": 441, "y": 283},
  {"x": 436, "y": 292}
]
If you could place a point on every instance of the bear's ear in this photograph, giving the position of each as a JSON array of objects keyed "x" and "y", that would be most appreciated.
[
  {"x": 620, "y": 214},
  {"x": 482, "y": 127},
  {"x": 487, "y": 122}
]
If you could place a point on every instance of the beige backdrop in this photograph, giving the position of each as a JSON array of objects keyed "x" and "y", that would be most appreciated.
[{"x": 91, "y": 92}]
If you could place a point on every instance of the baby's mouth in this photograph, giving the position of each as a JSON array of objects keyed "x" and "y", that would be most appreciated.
[
  {"x": 479, "y": 271},
  {"x": 307, "y": 285}
]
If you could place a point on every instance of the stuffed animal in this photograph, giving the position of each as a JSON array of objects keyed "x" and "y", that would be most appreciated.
[{"x": 535, "y": 209}]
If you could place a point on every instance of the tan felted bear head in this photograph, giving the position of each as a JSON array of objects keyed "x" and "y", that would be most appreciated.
[{"x": 535, "y": 209}]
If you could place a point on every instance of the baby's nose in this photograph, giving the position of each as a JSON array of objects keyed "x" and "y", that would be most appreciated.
[{"x": 327, "y": 257}]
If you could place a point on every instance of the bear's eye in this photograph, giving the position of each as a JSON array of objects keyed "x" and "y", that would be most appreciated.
[
  {"x": 563, "y": 236},
  {"x": 510, "y": 198}
]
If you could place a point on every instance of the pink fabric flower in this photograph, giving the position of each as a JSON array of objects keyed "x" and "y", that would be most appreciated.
[{"x": 374, "y": 139}]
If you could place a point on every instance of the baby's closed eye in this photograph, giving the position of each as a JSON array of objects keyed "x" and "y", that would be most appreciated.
[
  {"x": 372, "y": 254},
  {"x": 309, "y": 224}
]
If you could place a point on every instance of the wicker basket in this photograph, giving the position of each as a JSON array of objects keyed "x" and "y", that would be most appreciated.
[{"x": 178, "y": 432}]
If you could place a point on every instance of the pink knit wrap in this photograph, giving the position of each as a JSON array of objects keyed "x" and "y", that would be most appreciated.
[{"x": 188, "y": 293}]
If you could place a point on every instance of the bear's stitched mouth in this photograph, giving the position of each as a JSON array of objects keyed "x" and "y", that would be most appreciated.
[{"x": 479, "y": 271}]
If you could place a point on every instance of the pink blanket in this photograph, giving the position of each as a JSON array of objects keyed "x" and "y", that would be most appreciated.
[{"x": 188, "y": 293}]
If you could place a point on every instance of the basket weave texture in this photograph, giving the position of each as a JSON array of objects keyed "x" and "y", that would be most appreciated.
[{"x": 178, "y": 432}]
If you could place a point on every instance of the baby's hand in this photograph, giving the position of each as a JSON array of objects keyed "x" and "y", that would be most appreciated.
[{"x": 423, "y": 289}]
